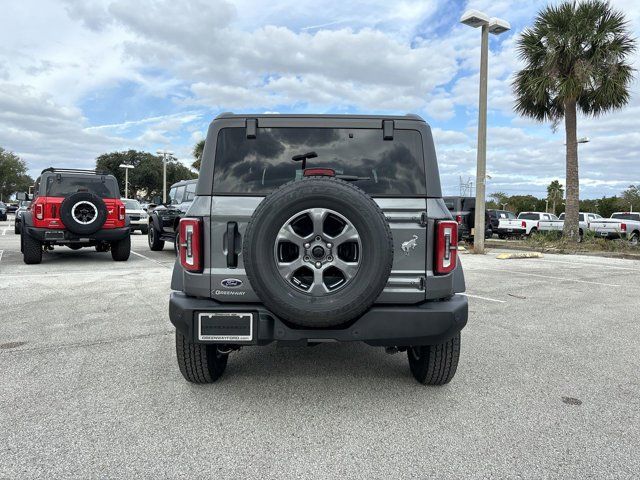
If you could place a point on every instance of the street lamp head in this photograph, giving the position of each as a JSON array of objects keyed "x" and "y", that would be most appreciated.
[
  {"x": 474, "y": 18},
  {"x": 124, "y": 165},
  {"x": 583, "y": 140},
  {"x": 498, "y": 26}
]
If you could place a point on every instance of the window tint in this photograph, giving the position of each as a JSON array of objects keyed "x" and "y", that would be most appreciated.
[
  {"x": 561, "y": 216},
  {"x": 63, "y": 186},
  {"x": 260, "y": 165},
  {"x": 190, "y": 194},
  {"x": 581, "y": 217},
  {"x": 179, "y": 195},
  {"x": 626, "y": 216},
  {"x": 529, "y": 216}
]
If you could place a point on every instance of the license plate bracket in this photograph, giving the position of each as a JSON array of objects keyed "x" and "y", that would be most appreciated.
[{"x": 227, "y": 327}]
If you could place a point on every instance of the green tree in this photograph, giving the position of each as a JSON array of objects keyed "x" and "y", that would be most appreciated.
[
  {"x": 498, "y": 200},
  {"x": 146, "y": 177},
  {"x": 13, "y": 174},
  {"x": 198, "y": 149},
  {"x": 555, "y": 192},
  {"x": 575, "y": 58},
  {"x": 631, "y": 198}
]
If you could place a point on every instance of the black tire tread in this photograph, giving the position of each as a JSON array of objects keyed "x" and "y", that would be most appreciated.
[
  {"x": 199, "y": 363},
  {"x": 121, "y": 249},
  {"x": 31, "y": 249},
  {"x": 437, "y": 364},
  {"x": 157, "y": 244}
]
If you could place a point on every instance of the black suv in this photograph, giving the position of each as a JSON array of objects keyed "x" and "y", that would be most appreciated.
[
  {"x": 164, "y": 219},
  {"x": 311, "y": 228}
]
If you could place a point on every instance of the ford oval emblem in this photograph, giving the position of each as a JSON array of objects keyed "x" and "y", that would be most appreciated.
[{"x": 231, "y": 283}]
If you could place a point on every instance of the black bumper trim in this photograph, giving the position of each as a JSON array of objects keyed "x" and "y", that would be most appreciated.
[
  {"x": 428, "y": 323},
  {"x": 104, "y": 235}
]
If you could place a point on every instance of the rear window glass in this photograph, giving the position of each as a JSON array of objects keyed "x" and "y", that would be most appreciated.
[
  {"x": 626, "y": 216},
  {"x": 509, "y": 215},
  {"x": 64, "y": 186},
  {"x": 529, "y": 216},
  {"x": 190, "y": 194},
  {"x": 260, "y": 165}
]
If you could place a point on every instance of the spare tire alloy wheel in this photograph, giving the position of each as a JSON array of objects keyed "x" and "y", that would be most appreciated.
[
  {"x": 83, "y": 213},
  {"x": 318, "y": 252}
]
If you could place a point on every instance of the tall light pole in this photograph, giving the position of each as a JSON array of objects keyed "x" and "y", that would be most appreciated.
[
  {"x": 126, "y": 178},
  {"x": 164, "y": 154},
  {"x": 496, "y": 26}
]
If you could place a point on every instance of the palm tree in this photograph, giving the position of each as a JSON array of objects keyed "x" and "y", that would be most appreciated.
[
  {"x": 575, "y": 58},
  {"x": 198, "y": 148},
  {"x": 555, "y": 192}
]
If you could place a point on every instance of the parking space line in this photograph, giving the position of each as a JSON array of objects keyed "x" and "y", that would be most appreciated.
[
  {"x": 151, "y": 259},
  {"x": 564, "y": 279},
  {"x": 483, "y": 298}
]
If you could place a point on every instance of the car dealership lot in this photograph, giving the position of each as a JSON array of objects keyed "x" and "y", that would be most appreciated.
[{"x": 547, "y": 384}]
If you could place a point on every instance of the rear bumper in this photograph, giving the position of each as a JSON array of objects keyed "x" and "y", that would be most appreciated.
[
  {"x": 510, "y": 231},
  {"x": 428, "y": 323},
  {"x": 65, "y": 236}
]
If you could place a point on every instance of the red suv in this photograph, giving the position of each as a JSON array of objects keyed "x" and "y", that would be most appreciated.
[{"x": 75, "y": 208}]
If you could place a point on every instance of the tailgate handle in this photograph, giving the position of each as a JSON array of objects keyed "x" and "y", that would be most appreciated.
[{"x": 231, "y": 244}]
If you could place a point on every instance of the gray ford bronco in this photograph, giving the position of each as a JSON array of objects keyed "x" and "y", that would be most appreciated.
[{"x": 318, "y": 228}]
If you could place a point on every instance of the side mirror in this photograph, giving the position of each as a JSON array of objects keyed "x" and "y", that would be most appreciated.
[
  {"x": 157, "y": 200},
  {"x": 22, "y": 196}
]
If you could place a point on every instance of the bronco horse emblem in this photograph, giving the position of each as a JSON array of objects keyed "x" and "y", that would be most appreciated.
[{"x": 409, "y": 245}]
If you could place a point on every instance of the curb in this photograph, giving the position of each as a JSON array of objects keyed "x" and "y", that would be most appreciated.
[
  {"x": 509, "y": 256},
  {"x": 521, "y": 246}
]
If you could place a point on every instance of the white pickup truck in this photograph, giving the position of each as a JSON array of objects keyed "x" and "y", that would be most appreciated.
[
  {"x": 525, "y": 224},
  {"x": 621, "y": 225},
  {"x": 585, "y": 221}
]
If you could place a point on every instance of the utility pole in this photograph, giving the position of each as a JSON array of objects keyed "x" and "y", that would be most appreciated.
[
  {"x": 496, "y": 26},
  {"x": 164, "y": 154},
  {"x": 126, "y": 178}
]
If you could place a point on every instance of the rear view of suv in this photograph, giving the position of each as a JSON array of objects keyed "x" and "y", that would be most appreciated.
[
  {"x": 75, "y": 208},
  {"x": 164, "y": 219},
  {"x": 310, "y": 228}
]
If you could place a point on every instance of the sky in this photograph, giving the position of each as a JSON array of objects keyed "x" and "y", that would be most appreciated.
[{"x": 82, "y": 78}]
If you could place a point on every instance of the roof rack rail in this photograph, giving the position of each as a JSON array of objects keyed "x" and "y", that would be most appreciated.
[{"x": 74, "y": 170}]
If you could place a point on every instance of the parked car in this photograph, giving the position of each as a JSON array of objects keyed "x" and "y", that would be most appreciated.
[
  {"x": 23, "y": 206},
  {"x": 138, "y": 218},
  {"x": 585, "y": 223},
  {"x": 74, "y": 208},
  {"x": 12, "y": 207},
  {"x": 463, "y": 210},
  {"x": 3, "y": 211},
  {"x": 318, "y": 228},
  {"x": 525, "y": 224},
  {"x": 494, "y": 219},
  {"x": 164, "y": 219},
  {"x": 624, "y": 225}
]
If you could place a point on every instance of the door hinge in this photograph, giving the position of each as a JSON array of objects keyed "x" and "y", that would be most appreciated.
[
  {"x": 423, "y": 283},
  {"x": 423, "y": 219}
]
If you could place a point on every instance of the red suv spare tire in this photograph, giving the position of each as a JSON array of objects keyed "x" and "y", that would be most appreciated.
[
  {"x": 83, "y": 213},
  {"x": 318, "y": 252}
]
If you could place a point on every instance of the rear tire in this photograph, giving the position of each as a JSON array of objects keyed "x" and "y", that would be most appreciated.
[
  {"x": 199, "y": 363},
  {"x": 633, "y": 239},
  {"x": 153, "y": 237},
  {"x": 31, "y": 249},
  {"x": 16, "y": 229},
  {"x": 121, "y": 250},
  {"x": 435, "y": 364}
]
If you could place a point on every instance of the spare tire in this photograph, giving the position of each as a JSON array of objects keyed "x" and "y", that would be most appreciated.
[
  {"x": 318, "y": 252},
  {"x": 83, "y": 213}
]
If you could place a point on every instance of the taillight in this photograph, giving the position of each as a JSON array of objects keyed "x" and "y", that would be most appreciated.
[
  {"x": 190, "y": 246},
  {"x": 39, "y": 211},
  {"x": 623, "y": 227},
  {"x": 121, "y": 212},
  {"x": 524, "y": 224},
  {"x": 323, "y": 172},
  {"x": 459, "y": 219},
  {"x": 446, "y": 246}
]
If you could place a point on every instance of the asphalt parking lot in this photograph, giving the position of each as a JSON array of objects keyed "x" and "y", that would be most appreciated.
[{"x": 547, "y": 386}]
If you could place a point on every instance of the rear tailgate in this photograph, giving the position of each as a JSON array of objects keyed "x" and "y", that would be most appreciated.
[
  {"x": 549, "y": 225},
  {"x": 510, "y": 224},
  {"x": 606, "y": 226}
]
